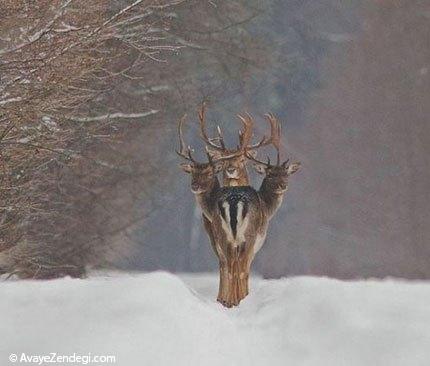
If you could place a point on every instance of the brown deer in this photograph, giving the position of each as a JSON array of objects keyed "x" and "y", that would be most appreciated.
[
  {"x": 205, "y": 186},
  {"x": 275, "y": 182},
  {"x": 234, "y": 169},
  {"x": 236, "y": 218},
  {"x": 242, "y": 224}
]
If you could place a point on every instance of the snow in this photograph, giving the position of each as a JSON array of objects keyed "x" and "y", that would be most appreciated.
[{"x": 164, "y": 319}]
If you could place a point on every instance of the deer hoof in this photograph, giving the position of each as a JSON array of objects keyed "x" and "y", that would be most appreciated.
[{"x": 225, "y": 303}]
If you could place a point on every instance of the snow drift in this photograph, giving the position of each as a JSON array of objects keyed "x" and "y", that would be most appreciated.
[{"x": 163, "y": 319}]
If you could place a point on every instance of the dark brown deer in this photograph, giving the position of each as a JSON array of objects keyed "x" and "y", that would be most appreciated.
[{"x": 234, "y": 169}]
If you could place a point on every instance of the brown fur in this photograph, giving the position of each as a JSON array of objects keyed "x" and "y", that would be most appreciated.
[
  {"x": 234, "y": 171},
  {"x": 236, "y": 246}
]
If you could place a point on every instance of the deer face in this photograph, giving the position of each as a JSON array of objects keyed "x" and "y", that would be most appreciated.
[
  {"x": 234, "y": 168},
  {"x": 276, "y": 176},
  {"x": 203, "y": 175}
]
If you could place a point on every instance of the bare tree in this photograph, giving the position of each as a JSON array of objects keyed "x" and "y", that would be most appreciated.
[
  {"x": 85, "y": 92},
  {"x": 64, "y": 60}
]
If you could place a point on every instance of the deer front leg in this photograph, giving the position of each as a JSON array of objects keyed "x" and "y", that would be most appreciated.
[
  {"x": 244, "y": 266},
  {"x": 223, "y": 290},
  {"x": 234, "y": 275},
  {"x": 233, "y": 291},
  {"x": 228, "y": 294}
]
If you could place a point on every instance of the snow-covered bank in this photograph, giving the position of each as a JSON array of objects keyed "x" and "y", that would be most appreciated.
[{"x": 162, "y": 319}]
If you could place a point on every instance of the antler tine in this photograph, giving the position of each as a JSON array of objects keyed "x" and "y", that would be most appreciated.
[
  {"x": 249, "y": 156},
  {"x": 274, "y": 133},
  {"x": 184, "y": 152},
  {"x": 203, "y": 134},
  {"x": 221, "y": 157},
  {"x": 275, "y": 137},
  {"x": 220, "y": 137},
  {"x": 245, "y": 136}
]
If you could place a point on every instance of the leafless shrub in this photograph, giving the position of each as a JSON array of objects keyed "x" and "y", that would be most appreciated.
[
  {"x": 81, "y": 83},
  {"x": 58, "y": 59}
]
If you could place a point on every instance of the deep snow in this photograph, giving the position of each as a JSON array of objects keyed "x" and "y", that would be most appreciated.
[{"x": 162, "y": 319}]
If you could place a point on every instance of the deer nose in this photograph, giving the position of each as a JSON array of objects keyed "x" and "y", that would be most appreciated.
[{"x": 194, "y": 186}]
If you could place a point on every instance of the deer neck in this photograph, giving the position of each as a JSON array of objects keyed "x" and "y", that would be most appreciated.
[
  {"x": 271, "y": 199},
  {"x": 206, "y": 200}
]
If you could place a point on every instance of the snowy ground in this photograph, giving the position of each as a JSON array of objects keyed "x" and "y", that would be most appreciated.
[{"x": 162, "y": 319}]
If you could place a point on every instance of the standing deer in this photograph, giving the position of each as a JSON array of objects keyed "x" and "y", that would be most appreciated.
[
  {"x": 205, "y": 186},
  {"x": 234, "y": 169},
  {"x": 236, "y": 218},
  {"x": 244, "y": 218}
]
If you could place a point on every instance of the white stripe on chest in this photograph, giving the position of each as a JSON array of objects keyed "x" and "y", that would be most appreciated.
[{"x": 242, "y": 224}]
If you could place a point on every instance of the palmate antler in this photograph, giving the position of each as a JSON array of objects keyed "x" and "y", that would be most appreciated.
[
  {"x": 210, "y": 141},
  {"x": 275, "y": 140},
  {"x": 245, "y": 135},
  {"x": 185, "y": 151}
]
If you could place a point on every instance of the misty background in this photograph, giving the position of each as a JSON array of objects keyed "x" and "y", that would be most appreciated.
[
  {"x": 98, "y": 176},
  {"x": 350, "y": 82}
]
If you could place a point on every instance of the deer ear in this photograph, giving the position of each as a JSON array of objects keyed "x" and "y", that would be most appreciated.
[
  {"x": 260, "y": 168},
  {"x": 292, "y": 168},
  {"x": 186, "y": 167}
]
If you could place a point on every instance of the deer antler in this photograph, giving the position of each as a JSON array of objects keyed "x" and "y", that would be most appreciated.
[
  {"x": 205, "y": 137},
  {"x": 274, "y": 139},
  {"x": 245, "y": 136},
  {"x": 184, "y": 152},
  {"x": 275, "y": 132}
]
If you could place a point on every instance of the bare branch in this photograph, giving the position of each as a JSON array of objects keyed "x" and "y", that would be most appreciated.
[{"x": 114, "y": 116}]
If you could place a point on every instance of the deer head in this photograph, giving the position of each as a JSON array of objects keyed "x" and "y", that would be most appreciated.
[
  {"x": 203, "y": 174},
  {"x": 276, "y": 176},
  {"x": 234, "y": 168}
]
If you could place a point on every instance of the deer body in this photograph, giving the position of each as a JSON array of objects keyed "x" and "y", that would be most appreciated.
[
  {"x": 235, "y": 221},
  {"x": 237, "y": 225},
  {"x": 236, "y": 216},
  {"x": 240, "y": 222},
  {"x": 228, "y": 214}
]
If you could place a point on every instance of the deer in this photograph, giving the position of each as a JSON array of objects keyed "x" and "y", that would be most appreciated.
[
  {"x": 236, "y": 218},
  {"x": 275, "y": 182},
  {"x": 245, "y": 215},
  {"x": 205, "y": 186},
  {"x": 234, "y": 170}
]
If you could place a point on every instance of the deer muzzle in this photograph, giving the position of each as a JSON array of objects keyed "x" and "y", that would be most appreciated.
[
  {"x": 196, "y": 188},
  {"x": 231, "y": 173}
]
